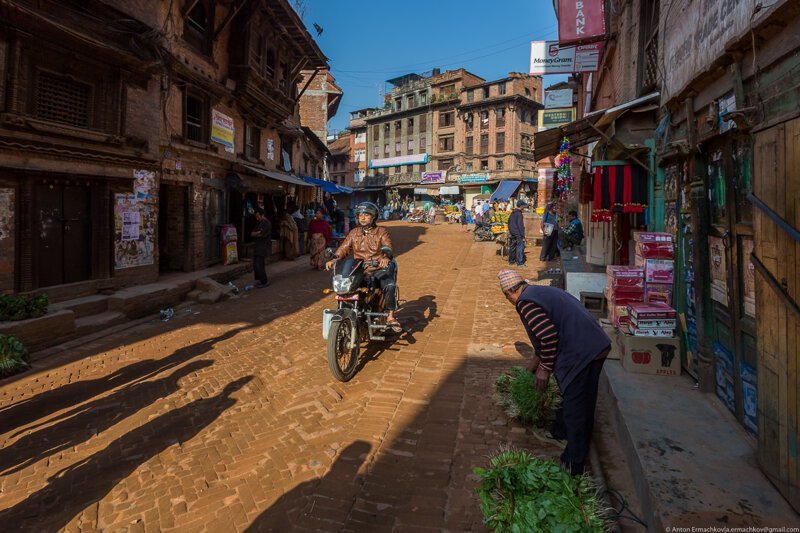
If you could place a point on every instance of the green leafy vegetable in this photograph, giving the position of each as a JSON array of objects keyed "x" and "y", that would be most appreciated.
[
  {"x": 522, "y": 493},
  {"x": 516, "y": 394},
  {"x": 13, "y": 355}
]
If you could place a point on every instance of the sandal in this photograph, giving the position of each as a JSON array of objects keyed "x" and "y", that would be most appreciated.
[{"x": 394, "y": 325}]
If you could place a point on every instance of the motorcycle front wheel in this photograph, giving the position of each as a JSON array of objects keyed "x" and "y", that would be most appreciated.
[{"x": 342, "y": 358}]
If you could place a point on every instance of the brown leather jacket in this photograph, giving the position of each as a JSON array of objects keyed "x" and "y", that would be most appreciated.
[{"x": 365, "y": 244}]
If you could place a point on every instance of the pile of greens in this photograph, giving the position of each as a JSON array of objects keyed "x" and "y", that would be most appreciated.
[
  {"x": 13, "y": 355},
  {"x": 22, "y": 306},
  {"x": 521, "y": 493},
  {"x": 516, "y": 394}
]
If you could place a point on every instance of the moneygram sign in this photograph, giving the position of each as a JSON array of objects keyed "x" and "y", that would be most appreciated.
[
  {"x": 547, "y": 57},
  {"x": 580, "y": 21}
]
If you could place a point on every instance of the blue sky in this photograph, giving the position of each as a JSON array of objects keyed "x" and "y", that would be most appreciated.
[{"x": 370, "y": 41}]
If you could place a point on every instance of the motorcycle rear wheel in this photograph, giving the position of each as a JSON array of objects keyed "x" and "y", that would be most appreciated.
[{"x": 342, "y": 360}]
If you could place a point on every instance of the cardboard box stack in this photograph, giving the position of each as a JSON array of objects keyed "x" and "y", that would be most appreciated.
[
  {"x": 625, "y": 285},
  {"x": 653, "y": 319},
  {"x": 655, "y": 253}
]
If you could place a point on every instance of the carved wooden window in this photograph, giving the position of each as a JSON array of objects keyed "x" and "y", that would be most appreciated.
[{"x": 63, "y": 99}]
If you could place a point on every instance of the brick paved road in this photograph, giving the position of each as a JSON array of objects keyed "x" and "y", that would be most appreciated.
[{"x": 226, "y": 418}]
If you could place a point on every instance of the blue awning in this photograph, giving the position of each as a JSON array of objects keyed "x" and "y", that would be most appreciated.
[
  {"x": 328, "y": 186},
  {"x": 505, "y": 189}
]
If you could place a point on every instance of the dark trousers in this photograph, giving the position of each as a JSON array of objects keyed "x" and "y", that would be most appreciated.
[
  {"x": 516, "y": 250},
  {"x": 575, "y": 416},
  {"x": 259, "y": 269},
  {"x": 549, "y": 247},
  {"x": 387, "y": 280}
]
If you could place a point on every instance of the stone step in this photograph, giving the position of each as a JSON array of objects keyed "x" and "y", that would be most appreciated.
[
  {"x": 94, "y": 323},
  {"x": 88, "y": 305}
]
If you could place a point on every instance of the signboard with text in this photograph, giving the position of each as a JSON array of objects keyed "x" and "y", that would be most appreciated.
[
  {"x": 696, "y": 33},
  {"x": 222, "y": 130},
  {"x": 547, "y": 57},
  {"x": 435, "y": 176},
  {"x": 411, "y": 159},
  {"x": 581, "y": 21},
  {"x": 558, "y": 98},
  {"x": 553, "y": 118},
  {"x": 473, "y": 178}
]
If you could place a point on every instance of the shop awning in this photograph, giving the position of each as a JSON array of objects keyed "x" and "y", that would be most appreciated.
[
  {"x": 280, "y": 176},
  {"x": 328, "y": 186},
  {"x": 245, "y": 183},
  {"x": 504, "y": 190},
  {"x": 585, "y": 130}
]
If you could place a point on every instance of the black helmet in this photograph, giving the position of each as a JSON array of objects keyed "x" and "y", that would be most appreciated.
[{"x": 368, "y": 207}]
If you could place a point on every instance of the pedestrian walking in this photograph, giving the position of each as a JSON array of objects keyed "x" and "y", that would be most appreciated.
[
  {"x": 263, "y": 244},
  {"x": 569, "y": 344},
  {"x": 550, "y": 233},
  {"x": 302, "y": 228},
  {"x": 289, "y": 236},
  {"x": 516, "y": 233}
]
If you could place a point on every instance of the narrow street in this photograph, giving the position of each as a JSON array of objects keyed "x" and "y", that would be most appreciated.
[{"x": 227, "y": 417}]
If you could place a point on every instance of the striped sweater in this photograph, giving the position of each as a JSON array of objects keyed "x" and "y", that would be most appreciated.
[{"x": 541, "y": 331}]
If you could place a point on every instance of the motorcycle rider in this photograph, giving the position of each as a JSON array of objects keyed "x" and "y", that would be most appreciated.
[{"x": 368, "y": 241}]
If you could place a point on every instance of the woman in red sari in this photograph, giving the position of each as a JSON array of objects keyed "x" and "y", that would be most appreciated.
[{"x": 319, "y": 235}]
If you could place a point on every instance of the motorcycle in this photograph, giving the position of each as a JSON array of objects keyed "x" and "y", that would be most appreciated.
[
  {"x": 483, "y": 232},
  {"x": 358, "y": 318}
]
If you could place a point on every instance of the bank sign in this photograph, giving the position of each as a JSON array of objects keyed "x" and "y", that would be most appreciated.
[
  {"x": 581, "y": 21},
  {"x": 547, "y": 57},
  {"x": 553, "y": 118}
]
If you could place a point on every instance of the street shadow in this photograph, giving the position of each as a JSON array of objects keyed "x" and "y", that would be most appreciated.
[
  {"x": 78, "y": 486},
  {"x": 414, "y": 317},
  {"x": 524, "y": 349},
  {"x": 255, "y": 308},
  {"x": 331, "y": 496},
  {"x": 40, "y": 406},
  {"x": 83, "y": 422}
]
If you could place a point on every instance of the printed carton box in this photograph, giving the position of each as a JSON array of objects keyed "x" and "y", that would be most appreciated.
[
  {"x": 646, "y": 355},
  {"x": 657, "y": 270}
]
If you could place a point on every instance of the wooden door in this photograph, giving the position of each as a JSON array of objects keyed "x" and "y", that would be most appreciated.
[
  {"x": 730, "y": 242},
  {"x": 48, "y": 235},
  {"x": 77, "y": 227},
  {"x": 63, "y": 234},
  {"x": 777, "y": 254}
]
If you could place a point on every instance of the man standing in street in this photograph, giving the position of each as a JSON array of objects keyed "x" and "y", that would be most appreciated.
[
  {"x": 516, "y": 232},
  {"x": 261, "y": 250},
  {"x": 570, "y": 344}
]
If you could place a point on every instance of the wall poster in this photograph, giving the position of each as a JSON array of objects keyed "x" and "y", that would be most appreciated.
[
  {"x": 719, "y": 270},
  {"x": 748, "y": 278},
  {"x": 135, "y": 222}
]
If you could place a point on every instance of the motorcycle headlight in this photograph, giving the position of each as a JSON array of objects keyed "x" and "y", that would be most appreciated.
[{"x": 342, "y": 285}]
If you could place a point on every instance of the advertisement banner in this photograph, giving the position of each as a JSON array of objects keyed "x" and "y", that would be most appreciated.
[
  {"x": 547, "y": 57},
  {"x": 553, "y": 118},
  {"x": 435, "y": 176},
  {"x": 558, "y": 98},
  {"x": 581, "y": 21},
  {"x": 222, "y": 130}
]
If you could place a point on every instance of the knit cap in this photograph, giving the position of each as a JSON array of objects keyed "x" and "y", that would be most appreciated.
[{"x": 509, "y": 279}]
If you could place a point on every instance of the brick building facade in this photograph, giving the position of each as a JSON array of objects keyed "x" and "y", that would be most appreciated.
[{"x": 130, "y": 134}]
